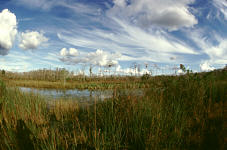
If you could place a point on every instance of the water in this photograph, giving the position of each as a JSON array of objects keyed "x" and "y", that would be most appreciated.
[
  {"x": 72, "y": 94},
  {"x": 80, "y": 95}
]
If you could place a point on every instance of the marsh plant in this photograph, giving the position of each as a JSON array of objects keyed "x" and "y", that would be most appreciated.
[{"x": 176, "y": 112}]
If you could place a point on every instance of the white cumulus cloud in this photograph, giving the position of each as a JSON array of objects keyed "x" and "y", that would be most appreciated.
[
  {"x": 132, "y": 71},
  {"x": 206, "y": 67},
  {"x": 97, "y": 58},
  {"x": 67, "y": 53},
  {"x": 102, "y": 58},
  {"x": 64, "y": 52},
  {"x": 180, "y": 71},
  {"x": 73, "y": 52},
  {"x": 8, "y": 31},
  {"x": 31, "y": 40}
]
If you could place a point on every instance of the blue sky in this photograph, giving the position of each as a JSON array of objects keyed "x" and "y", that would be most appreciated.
[{"x": 78, "y": 33}]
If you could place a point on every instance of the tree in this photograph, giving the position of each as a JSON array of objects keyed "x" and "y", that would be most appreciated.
[
  {"x": 182, "y": 67},
  {"x": 3, "y": 72}
]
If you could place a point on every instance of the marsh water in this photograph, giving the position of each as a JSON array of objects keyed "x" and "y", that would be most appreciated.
[{"x": 80, "y": 95}]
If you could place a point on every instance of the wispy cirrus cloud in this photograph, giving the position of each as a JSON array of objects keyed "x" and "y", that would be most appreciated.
[
  {"x": 15, "y": 61},
  {"x": 215, "y": 47},
  {"x": 43, "y": 4},
  {"x": 47, "y": 5},
  {"x": 142, "y": 37},
  {"x": 160, "y": 31},
  {"x": 130, "y": 40},
  {"x": 167, "y": 14},
  {"x": 221, "y": 6}
]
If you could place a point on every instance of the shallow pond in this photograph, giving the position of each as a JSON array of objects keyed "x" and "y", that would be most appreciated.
[{"x": 80, "y": 95}]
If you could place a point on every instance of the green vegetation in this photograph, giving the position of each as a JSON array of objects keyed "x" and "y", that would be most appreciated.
[
  {"x": 91, "y": 85},
  {"x": 177, "y": 112},
  {"x": 63, "y": 79}
]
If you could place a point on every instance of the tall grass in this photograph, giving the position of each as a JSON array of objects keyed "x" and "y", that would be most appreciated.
[
  {"x": 78, "y": 85},
  {"x": 184, "y": 112}
]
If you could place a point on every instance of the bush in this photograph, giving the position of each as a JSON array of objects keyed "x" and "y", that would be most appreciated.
[{"x": 145, "y": 77}]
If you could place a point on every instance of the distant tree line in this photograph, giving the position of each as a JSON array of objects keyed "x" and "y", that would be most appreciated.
[
  {"x": 41, "y": 74},
  {"x": 61, "y": 74}
]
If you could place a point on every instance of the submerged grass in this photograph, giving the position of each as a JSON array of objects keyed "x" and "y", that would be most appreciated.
[{"x": 183, "y": 112}]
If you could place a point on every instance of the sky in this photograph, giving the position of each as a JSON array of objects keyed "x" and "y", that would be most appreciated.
[{"x": 75, "y": 34}]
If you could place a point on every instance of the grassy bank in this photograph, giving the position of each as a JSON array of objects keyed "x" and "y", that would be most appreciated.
[
  {"x": 91, "y": 85},
  {"x": 184, "y": 112}
]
